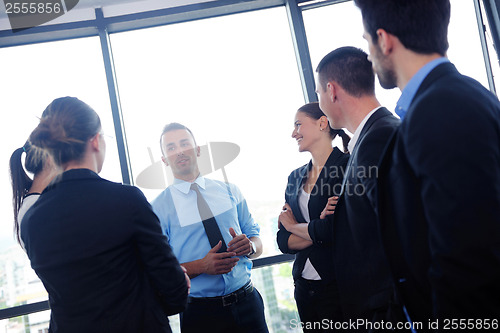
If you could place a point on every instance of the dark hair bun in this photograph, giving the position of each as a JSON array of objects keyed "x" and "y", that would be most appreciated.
[{"x": 66, "y": 125}]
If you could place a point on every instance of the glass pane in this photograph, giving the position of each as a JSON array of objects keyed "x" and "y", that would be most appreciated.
[
  {"x": 333, "y": 26},
  {"x": 465, "y": 44},
  {"x": 275, "y": 284},
  {"x": 32, "y": 323},
  {"x": 32, "y": 76},
  {"x": 239, "y": 86}
]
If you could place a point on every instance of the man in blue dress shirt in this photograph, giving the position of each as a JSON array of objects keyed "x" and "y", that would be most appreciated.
[{"x": 222, "y": 298}]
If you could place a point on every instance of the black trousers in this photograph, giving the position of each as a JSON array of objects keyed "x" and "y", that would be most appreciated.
[
  {"x": 318, "y": 304},
  {"x": 246, "y": 315}
]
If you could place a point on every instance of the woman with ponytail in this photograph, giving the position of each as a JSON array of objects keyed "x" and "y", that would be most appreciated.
[
  {"x": 307, "y": 193},
  {"x": 97, "y": 246}
]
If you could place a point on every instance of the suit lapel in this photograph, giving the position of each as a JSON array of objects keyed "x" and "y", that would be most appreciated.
[
  {"x": 380, "y": 113},
  {"x": 298, "y": 185}
]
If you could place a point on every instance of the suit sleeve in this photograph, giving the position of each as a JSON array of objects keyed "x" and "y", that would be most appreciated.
[
  {"x": 282, "y": 239},
  {"x": 321, "y": 231},
  {"x": 453, "y": 145},
  {"x": 282, "y": 235},
  {"x": 161, "y": 265}
]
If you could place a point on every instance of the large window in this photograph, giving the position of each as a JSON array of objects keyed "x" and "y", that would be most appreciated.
[
  {"x": 237, "y": 85},
  {"x": 237, "y": 89},
  {"x": 333, "y": 26}
]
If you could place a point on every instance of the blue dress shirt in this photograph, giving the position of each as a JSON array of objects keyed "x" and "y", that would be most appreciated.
[
  {"x": 412, "y": 86},
  {"x": 180, "y": 220}
]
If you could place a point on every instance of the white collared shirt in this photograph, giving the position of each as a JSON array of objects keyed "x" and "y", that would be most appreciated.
[
  {"x": 309, "y": 272},
  {"x": 355, "y": 137}
]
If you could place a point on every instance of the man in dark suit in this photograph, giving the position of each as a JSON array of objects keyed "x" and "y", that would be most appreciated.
[
  {"x": 439, "y": 181},
  {"x": 346, "y": 89}
]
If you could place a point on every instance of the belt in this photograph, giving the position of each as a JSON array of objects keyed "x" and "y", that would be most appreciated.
[{"x": 225, "y": 300}]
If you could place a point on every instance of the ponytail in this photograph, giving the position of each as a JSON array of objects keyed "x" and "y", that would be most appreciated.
[
  {"x": 21, "y": 182},
  {"x": 345, "y": 138}
]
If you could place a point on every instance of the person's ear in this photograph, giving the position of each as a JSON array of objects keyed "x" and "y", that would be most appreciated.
[
  {"x": 198, "y": 151},
  {"x": 95, "y": 142},
  {"x": 331, "y": 90},
  {"x": 385, "y": 41},
  {"x": 323, "y": 123},
  {"x": 164, "y": 160}
]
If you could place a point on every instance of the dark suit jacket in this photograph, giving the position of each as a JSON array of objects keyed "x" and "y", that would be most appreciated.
[
  {"x": 99, "y": 250},
  {"x": 363, "y": 275},
  {"x": 328, "y": 184},
  {"x": 440, "y": 200}
]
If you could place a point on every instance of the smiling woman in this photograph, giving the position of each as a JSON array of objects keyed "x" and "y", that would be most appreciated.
[{"x": 309, "y": 189}]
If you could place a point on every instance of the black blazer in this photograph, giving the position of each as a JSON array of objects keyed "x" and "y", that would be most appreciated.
[
  {"x": 99, "y": 250},
  {"x": 363, "y": 275},
  {"x": 440, "y": 200},
  {"x": 328, "y": 184}
]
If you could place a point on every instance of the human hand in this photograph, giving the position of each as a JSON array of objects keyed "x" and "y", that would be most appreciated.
[
  {"x": 188, "y": 280},
  {"x": 286, "y": 218},
  {"x": 219, "y": 263},
  {"x": 330, "y": 207},
  {"x": 239, "y": 244},
  {"x": 279, "y": 222}
]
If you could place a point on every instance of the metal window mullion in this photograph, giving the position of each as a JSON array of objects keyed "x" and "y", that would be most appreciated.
[
  {"x": 482, "y": 37},
  {"x": 491, "y": 10},
  {"x": 301, "y": 48},
  {"x": 114, "y": 97},
  {"x": 321, "y": 4}
]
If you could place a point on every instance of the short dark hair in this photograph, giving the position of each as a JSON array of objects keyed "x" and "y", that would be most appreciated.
[
  {"x": 420, "y": 25},
  {"x": 350, "y": 68},
  {"x": 172, "y": 127}
]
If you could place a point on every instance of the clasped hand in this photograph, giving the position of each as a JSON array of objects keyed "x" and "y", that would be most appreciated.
[
  {"x": 286, "y": 218},
  {"x": 222, "y": 263}
]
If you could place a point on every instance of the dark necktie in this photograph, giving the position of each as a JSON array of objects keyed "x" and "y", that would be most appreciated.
[{"x": 211, "y": 228}]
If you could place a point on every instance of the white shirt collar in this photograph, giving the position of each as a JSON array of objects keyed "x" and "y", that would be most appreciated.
[
  {"x": 185, "y": 187},
  {"x": 355, "y": 136}
]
